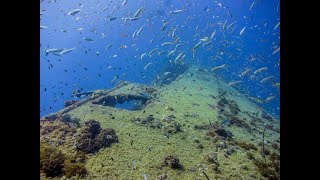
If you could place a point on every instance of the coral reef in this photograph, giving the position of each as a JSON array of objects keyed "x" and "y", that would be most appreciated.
[
  {"x": 163, "y": 177},
  {"x": 220, "y": 132},
  {"x": 173, "y": 128},
  {"x": 203, "y": 126},
  {"x": 68, "y": 119},
  {"x": 246, "y": 146},
  {"x": 234, "y": 120},
  {"x": 270, "y": 170},
  {"x": 172, "y": 161},
  {"x": 92, "y": 138},
  {"x": 74, "y": 165},
  {"x": 266, "y": 116},
  {"x": 212, "y": 158},
  {"x": 105, "y": 138},
  {"x": 51, "y": 160},
  {"x": 148, "y": 121},
  {"x": 250, "y": 156}
]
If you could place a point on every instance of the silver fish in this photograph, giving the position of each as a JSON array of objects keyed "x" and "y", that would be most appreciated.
[
  {"x": 140, "y": 30},
  {"x": 164, "y": 26},
  {"x": 176, "y": 11},
  {"x": 138, "y": 12},
  {"x": 65, "y": 51},
  {"x": 245, "y": 72},
  {"x": 277, "y": 26},
  {"x": 213, "y": 33},
  {"x": 260, "y": 70},
  {"x": 134, "y": 18},
  {"x": 171, "y": 52},
  {"x": 134, "y": 34},
  {"x": 252, "y": 5},
  {"x": 145, "y": 68},
  {"x": 277, "y": 50},
  {"x": 178, "y": 45},
  {"x": 266, "y": 79},
  {"x": 179, "y": 56},
  {"x": 206, "y": 44},
  {"x": 242, "y": 30},
  {"x": 109, "y": 46},
  {"x": 124, "y": 2},
  {"x": 218, "y": 67},
  {"x": 43, "y": 27},
  {"x": 234, "y": 83},
  {"x": 152, "y": 51},
  {"x": 196, "y": 46},
  {"x": 73, "y": 12},
  {"x": 87, "y": 39},
  {"x": 144, "y": 54},
  {"x": 53, "y": 50},
  {"x": 166, "y": 43},
  {"x": 231, "y": 24}
]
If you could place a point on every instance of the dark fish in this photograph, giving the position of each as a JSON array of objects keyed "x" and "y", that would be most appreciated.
[{"x": 112, "y": 18}]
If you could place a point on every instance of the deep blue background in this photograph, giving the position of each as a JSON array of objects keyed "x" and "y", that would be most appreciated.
[{"x": 61, "y": 75}]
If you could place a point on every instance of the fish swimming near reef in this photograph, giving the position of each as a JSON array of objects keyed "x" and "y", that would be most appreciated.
[
  {"x": 234, "y": 83},
  {"x": 218, "y": 67},
  {"x": 145, "y": 68}
]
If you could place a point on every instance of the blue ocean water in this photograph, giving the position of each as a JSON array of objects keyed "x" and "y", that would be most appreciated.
[{"x": 91, "y": 66}]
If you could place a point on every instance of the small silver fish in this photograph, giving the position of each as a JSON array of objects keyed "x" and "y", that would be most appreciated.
[
  {"x": 242, "y": 30},
  {"x": 176, "y": 11},
  {"x": 138, "y": 12},
  {"x": 65, "y": 51},
  {"x": 43, "y": 27},
  {"x": 166, "y": 43},
  {"x": 73, "y": 12},
  {"x": 124, "y": 2},
  {"x": 87, "y": 39}
]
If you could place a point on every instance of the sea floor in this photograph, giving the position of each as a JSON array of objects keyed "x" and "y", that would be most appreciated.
[{"x": 196, "y": 127}]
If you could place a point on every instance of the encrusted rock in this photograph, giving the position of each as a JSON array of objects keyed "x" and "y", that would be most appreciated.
[
  {"x": 92, "y": 138},
  {"x": 172, "y": 161}
]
